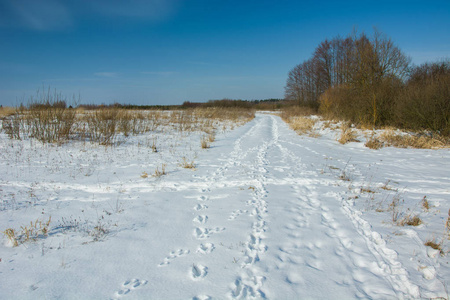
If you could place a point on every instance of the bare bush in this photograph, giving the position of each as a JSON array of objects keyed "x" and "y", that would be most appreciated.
[
  {"x": 374, "y": 143},
  {"x": 102, "y": 125},
  {"x": 419, "y": 141},
  {"x": 347, "y": 134},
  {"x": 424, "y": 103}
]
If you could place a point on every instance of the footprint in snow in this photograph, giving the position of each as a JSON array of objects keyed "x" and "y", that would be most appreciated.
[
  {"x": 173, "y": 255},
  {"x": 202, "y": 297},
  {"x": 236, "y": 214},
  {"x": 203, "y": 198},
  {"x": 201, "y": 219},
  {"x": 199, "y": 207},
  {"x": 198, "y": 271},
  {"x": 203, "y": 233},
  {"x": 129, "y": 286},
  {"x": 206, "y": 248}
]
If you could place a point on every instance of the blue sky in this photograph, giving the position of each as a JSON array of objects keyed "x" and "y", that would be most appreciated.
[{"x": 170, "y": 51}]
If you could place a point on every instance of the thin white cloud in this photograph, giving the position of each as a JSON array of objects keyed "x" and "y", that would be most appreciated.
[
  {"x": 107, "y": 74},
  {"x": 51, "y": 15},
  {"x": 43, "y": 15}
]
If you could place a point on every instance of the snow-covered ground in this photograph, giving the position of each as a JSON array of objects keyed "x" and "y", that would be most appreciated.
[{"x": 265, "y": 214}]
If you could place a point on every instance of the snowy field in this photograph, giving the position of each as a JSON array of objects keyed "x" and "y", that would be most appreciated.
[{"x": 266, "y": 213}]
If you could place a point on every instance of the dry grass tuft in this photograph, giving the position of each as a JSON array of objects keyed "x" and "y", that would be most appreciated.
[
  {"x": 448, "y": 221},
  {"x": 413, "y": 141},
  {"x": 7, "y": 111},
  {"x": 331, "y": 124},
  {"x": 11, "y": 235},
  {"x": 205, "y": 143},
  {"x": 212, "y": 137},
  {"x": 162, "y": 172},
  {"x": 425, "y": 203},
  {"x": 31, "y": 232},
  {"x": 186, "y": 164},
  {"x": 367, "y": 190},
  {"x": 374, "y": 143},
  {"x": 299, "y": 119},
  {"x": 410, "y": 221},
  {"x": 347, "y": 134},
  {"x": 434, "y": 245},
  {"x": 301, "y": 125}
]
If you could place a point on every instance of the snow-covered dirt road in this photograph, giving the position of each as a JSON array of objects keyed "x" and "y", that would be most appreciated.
[{"x": 266, "y": 214}]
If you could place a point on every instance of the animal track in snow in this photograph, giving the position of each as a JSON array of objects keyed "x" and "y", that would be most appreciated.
[
  {"x": 203, "y": 233},
  {"x": 236, "y": 214},
  {"x": 206, "y": 248},
  {"x": 248, "y": 288},
  {"x": 202, "y": 297},
  {"x": 200, "y": 207},
  {"x": 201, "y": 219},
  {"x": 198, "y": 271},
  {"x": 203, "y": 198},
  {"x": 130, "y": 285},
  {"x": 173, "y": 255}
]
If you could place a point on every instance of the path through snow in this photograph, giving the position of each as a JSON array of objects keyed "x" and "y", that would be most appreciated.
[{"x": 257, "y": 219}]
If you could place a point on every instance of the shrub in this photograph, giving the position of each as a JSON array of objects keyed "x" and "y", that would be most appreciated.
[
  {"x": 7, "y": 111},
  {"x": 50, "y": 123},
  {"x": 424, "y": 103},
  {"x": 48, "y": 118},
  {"x": 373, "y": 143},
  {"x": 102, "y": 125},
  {"x": 347, "y": 134},
  {"x": 301, "y": 125},
  {"x": 421, "y": 141}
]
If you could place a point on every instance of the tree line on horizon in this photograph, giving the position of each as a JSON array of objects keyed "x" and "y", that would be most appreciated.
[{"x": 370, "y": 81}]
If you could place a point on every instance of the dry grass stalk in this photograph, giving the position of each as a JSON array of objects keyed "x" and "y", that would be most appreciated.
[
  {"x": 186, "y": 164},
  {"x": 374, "y": 143},
  {"x": 425, "y": 203},
  {"x": 212, "y": 137},
  {"x": 435, "y": 246},
  {"x": 7, "y": 111},
  {"x": 347, "y": 134},
  {"x": 11, "y": 235},
  {"x": 448, "y": 221},
  {"x": 159, "y": 173},
  {"x": 410, "y": 221},
  {"x": 411, "y": 141},
  {"x": 154, "y": 148},
  {"x": 28, "y": 233},
  {"x": 204, "y": 143},
  {"x": 301, "y": 125}
]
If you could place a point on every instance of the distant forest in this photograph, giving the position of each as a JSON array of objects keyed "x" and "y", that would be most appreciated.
[
  {"x": 370, "y": 81},
  {"x": 266, "y": 104}
]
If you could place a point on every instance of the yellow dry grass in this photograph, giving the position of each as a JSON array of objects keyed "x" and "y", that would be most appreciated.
[
  {"x": 347, "y": 134},
  {"x": 412, "y": 141},
  {"x": 301, "y": 125},
  {"x": 7, "y": 111},
  {"x": 374, "y": 143}
]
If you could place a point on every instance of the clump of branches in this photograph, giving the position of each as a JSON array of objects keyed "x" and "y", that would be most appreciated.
[
  {"x": 49, "y": 119},
  {"x": 370, "y": 81}
]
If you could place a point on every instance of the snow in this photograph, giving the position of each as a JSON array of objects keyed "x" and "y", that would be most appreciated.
[{"x": 265, "y": 214}]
